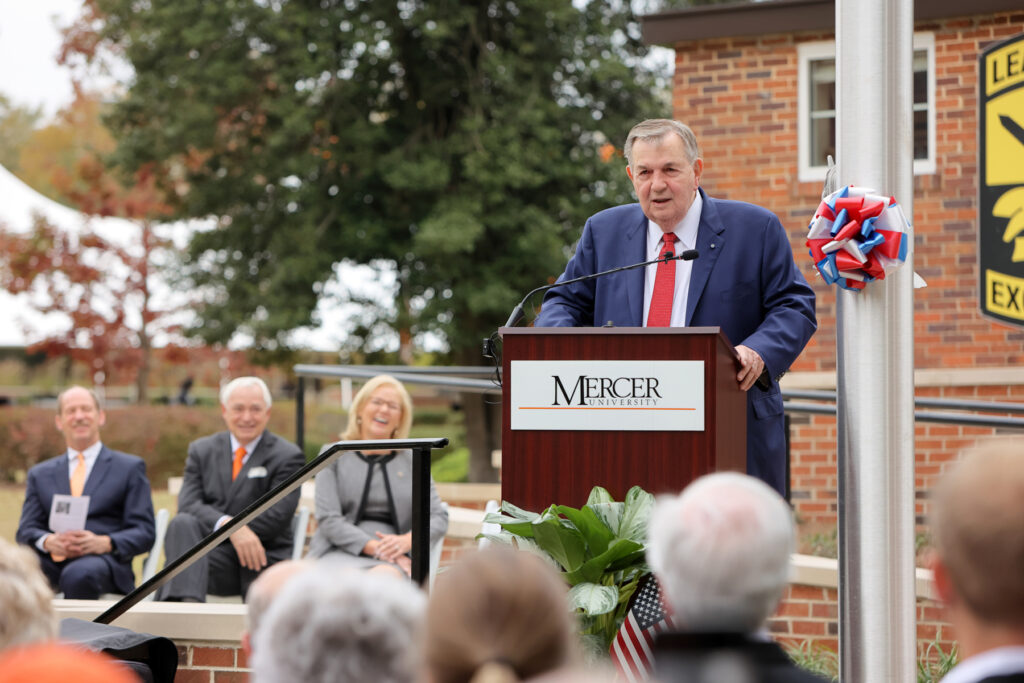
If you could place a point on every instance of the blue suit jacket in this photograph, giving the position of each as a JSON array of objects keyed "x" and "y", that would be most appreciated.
[
  {"x": 744, "y": 281},
  {"x": 120, "y": 506}
]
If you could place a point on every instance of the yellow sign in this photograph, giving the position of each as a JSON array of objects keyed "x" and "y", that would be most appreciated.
[
  {"x": 1001, "y": 187},
  {"x": 1003, "y": 294},
  {"x": 1004, "y": 143},
  {"x": 1004, "y": 67}
]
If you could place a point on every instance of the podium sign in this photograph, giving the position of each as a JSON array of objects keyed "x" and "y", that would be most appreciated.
[
  {"x": 651, "y": 407},
  {"x": 611, "y": 395}
]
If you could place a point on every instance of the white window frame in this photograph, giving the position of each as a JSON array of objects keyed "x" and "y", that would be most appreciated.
[{"x": 809, "y": 52}]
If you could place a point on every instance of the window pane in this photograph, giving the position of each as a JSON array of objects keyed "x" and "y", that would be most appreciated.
[
  {"x": 920, "y": 77},
  {"x": 823, "y": 84},
  {"x": 921, "y": 134},
  {"x": 823, "y": 141}
]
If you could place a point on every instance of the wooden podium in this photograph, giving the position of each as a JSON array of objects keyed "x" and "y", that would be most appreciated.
[{"x": 545, "y": 466}]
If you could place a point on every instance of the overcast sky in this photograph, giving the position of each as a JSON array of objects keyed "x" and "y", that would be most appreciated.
[{"x": 29, "y": 42}]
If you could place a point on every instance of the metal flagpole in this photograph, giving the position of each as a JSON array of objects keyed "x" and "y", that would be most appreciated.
[{"x": 874, "y": 100}]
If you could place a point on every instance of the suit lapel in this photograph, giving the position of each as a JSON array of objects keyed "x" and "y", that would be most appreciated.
[
  {"x": 222, "y": 463},
  {"x": 636, "y": 252},
  {"x": 710, "y": 241},
  {"x": 98, "y": 473},
  {"x": 61, "y": 475}
]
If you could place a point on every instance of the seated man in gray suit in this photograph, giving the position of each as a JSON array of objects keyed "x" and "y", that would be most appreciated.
[{"x": 224, "y": 474}]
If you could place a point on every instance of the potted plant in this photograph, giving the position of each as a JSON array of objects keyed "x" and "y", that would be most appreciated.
[{"x": 599, "y": 549}]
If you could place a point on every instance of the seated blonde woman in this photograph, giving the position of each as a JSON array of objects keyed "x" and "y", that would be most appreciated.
[{"x": 364, "y": 498}]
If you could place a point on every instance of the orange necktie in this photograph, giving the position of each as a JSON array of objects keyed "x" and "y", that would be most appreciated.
[
  {"x": 236, "y": 465},
  {"x": 78, "y": 477},
  {"x": 77, "y": 485},
  {"x": 659, "y": 314}
]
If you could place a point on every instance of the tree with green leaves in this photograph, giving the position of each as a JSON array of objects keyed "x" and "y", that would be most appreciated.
[{"x": 464, "y": 142}]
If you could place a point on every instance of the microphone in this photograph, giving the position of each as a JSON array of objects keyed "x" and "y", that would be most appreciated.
[{"x": 517, "y": 312}]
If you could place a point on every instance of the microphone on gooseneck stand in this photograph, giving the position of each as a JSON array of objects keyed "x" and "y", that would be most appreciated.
[{"x": 517, "y": 312}]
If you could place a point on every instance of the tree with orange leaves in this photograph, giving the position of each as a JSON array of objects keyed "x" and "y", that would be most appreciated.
[{"x": 102, "y": 286}]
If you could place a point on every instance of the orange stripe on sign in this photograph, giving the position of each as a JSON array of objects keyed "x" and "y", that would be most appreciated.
[{"x": 595, "y": 408}]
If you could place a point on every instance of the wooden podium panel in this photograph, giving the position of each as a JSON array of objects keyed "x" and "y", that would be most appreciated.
[{"x": 540, "y": 467}]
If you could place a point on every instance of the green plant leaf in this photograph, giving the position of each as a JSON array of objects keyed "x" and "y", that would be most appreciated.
[
  {"x": 593, "y": 599},
  {"x": 610, "y": 513},
  {"x": 595, "y": 532},
  {"x": 599, "y": 494},
  {"x": 565, "y": 544},
  {"x": 592, "y": 570},
  {"x": 594, "y": 651},
  {"x": 503, "y": 538},
  {"x": 517, "y": 512},
  {"x": 637, "y": 515},
  {"x": 634, "y": 561},
  {"x": 530, "y": 546}
]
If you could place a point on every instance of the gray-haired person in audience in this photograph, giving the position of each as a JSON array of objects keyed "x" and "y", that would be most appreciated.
[
  {"x": 721, "y": 553},
  {"x": 331, "y": 624},
  {"x": 262, "y": 592},
  {"x": 26, "y": 601},
  {"x": 979, "y": 560}
]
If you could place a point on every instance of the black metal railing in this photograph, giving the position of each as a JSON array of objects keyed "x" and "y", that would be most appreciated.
[
  {"x": 944, "y": 416},
  {"x": 420, "y": 515}
]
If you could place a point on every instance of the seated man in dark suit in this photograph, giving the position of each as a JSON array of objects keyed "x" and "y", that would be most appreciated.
[
  {"x": 88, "y": 562},
  {"x": 720, "y": 551},
  {"x": 979, "y": 551},
  {"x": 224, "y": 474}
]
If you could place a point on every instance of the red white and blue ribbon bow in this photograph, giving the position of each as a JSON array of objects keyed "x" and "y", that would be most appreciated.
[{"x": 857, "y": 236}]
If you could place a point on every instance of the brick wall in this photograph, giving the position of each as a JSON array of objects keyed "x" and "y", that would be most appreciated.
[
  {"x": 810, "y": 614},
  {"x": 807, "y": 614},
  {"x": 740, "y": 96},
  {"x": 211, "y": 663}
]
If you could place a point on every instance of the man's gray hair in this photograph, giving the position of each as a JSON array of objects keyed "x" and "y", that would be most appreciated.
[
  {"x": 654, "y": 130},
  {"x": 721, "y": 552},
  {"x": 332, "y": 624},
  {"x": 242, "y": 382},
  {"x": 27, "y": 615}
]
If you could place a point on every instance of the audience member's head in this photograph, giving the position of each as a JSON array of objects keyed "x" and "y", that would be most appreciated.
[
  {"x": 26, "y": 607},
  {"x": 721, "y": 552},
  {"x": 263, "y": 591},
  {"x": 332, "y": 625},
  {"x": 979, "y": 544},
  {"x": 59, "y": 663},
  {"x": 497, "y": 615}
]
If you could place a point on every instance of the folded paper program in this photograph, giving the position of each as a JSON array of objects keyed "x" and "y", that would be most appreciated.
[{"x": 857, "y": 236}]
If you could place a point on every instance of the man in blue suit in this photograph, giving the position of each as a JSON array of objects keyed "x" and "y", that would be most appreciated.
[
  {"x": 88, "y": 562},
  {"x": 744, "y": 281}
]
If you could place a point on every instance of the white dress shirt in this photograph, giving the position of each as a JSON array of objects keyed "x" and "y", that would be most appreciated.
[
  {"x": 249, "y": 448},
  {"x": 686, "y": 234}
]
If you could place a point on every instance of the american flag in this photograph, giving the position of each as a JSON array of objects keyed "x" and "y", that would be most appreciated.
[{"x": 647, "y": 615}]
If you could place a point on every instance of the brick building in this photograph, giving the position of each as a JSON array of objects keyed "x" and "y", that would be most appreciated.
[{"x": 757, "y": 82}]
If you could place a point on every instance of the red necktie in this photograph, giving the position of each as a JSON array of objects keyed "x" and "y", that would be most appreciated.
[
  {"x": 660, "y": 312},
  {"x": 236, "y": 465}
]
